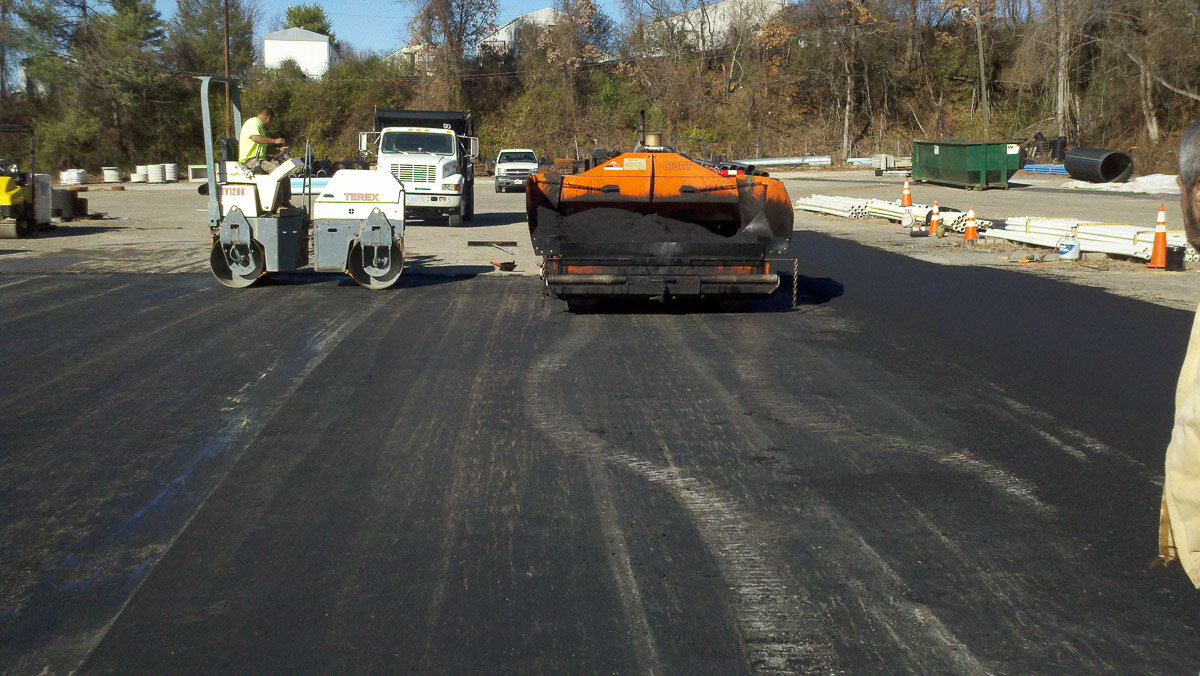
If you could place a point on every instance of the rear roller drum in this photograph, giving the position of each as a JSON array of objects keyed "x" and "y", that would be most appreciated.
[
  {"x": 376, "y": 271},
  {"x": 240, "y": 268}
]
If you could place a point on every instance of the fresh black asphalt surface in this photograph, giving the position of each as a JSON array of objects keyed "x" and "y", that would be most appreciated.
[{"x": 922, "y": 469}]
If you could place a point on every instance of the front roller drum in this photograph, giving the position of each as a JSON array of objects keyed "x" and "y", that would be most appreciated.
[
  {"x": 237, "y": 266},
  {"x": 375, "y": 267}
]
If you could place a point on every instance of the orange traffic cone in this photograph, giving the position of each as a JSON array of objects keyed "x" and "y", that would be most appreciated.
[
  {"x": 935, "y": 221},
  {"x": 971, "y": 233},
  {"x": 906, "y": 195},
  {"x": 1158, "y": 255}
]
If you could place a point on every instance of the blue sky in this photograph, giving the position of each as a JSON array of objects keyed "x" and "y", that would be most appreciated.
[{"x": 377, "y": 25}]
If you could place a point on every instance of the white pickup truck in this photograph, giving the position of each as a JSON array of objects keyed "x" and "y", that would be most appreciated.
[{"x": 513, "y": 166}]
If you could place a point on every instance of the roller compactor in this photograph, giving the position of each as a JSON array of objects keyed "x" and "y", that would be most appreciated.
[
  {"x": 355, "y": 225},
  {"x": 24, "y": 195},
  {"x": 656, "y": 224}
]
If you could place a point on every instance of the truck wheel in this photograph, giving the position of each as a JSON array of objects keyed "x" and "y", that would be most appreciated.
[
  {"x": 498, "y": 187},
  {"x": 455, "y": 219}
]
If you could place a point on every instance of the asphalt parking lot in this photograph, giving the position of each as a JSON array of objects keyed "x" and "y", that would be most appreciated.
[{"x": 162, "y": 229}]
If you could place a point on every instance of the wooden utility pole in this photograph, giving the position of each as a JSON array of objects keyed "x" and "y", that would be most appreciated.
[
  {"x": 985, "y": 104},
  {"x": 5, "y": 32},
  {"x": 228, "y": 112}
]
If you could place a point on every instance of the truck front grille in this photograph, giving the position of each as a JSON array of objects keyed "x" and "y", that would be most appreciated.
[{"x": 414, "y": 173}]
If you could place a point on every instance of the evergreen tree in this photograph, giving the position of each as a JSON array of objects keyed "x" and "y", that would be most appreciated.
[
  {"x": 309, "y": 17},
  {"x": 197, "y": 39}
]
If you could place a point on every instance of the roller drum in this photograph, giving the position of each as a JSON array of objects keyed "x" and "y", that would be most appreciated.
[{"x": 238, "y": 266}]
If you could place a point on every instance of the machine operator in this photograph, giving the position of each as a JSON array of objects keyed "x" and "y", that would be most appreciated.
[{"x": 253, "y": 142}]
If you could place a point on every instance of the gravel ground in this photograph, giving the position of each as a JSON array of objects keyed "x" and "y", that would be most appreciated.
[
  {"x": 163, "y": 229},
  {"x": 1032, "y": 195}
]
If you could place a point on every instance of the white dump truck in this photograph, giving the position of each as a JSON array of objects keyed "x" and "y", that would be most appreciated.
[{"x": 432, "y": 153}]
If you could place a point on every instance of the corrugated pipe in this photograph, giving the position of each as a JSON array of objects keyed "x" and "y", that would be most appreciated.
[{"x": 1099, "y": 166}]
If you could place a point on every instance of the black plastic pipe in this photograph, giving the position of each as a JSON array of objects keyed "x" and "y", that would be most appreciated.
[{"x": 1098, "y": 166}]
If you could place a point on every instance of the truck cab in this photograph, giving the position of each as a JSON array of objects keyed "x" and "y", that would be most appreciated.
[
  {"x": 513, "y": 167},
  {"x": 432, "y": 153}
]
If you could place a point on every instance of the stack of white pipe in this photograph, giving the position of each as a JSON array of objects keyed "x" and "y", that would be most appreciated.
[
  {"x": 850, "y": 207},
  {"x": 156, "y": 173},
  {"x": 810, "y": 160},
  {"x": 956, "y": 221},
  {"x": 952, "y": 219},
  {"x": 171, "y": 172},
  {"x": 833, "y": 205},
  {"x": 894, "y": 212},
  {"x": 111, "y": 174},
  {"x": 72, "y": 177},
  {"x": 1119, "y": 239}
]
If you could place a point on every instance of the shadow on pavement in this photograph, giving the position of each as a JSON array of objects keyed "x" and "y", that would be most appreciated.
[
  {"x": 427, "y": 268},
  {"x": 480, "y": 220},
  {"x": 417, "y": 272},
  {"x": 73, "y": 230},
  {"x": 809, "y": 291}
]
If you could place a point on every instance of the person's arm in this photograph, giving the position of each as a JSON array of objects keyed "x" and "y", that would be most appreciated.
[{"x": 265, "y": 140}]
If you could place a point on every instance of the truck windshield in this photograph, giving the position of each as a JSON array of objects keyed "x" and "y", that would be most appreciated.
[
  {"x": 517, "y": 157},
  {"x": 417, "y": 142}
]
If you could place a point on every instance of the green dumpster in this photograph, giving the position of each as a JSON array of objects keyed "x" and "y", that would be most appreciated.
[{"x": 966, "y": 164}]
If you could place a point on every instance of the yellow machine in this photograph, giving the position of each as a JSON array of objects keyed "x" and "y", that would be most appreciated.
[{"x": 18, "y": 217}]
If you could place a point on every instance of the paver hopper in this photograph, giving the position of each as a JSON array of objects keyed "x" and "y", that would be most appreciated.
[{"x": 654, "y": 223}]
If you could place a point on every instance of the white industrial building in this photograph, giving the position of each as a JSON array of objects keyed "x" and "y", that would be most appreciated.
[
  {"x": 313, "y": 52},
  {"x": 709, "y": 26},
  {"x": 504, "y": 39},
  {"x": 417, "y": 56}
]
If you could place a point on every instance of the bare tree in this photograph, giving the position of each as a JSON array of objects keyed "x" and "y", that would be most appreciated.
[
  {"x": 981, "y": 13},
  {"x": 452, "y": 28}
]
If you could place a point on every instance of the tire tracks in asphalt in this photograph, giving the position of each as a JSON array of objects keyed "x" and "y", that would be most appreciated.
[
  {"x": 461, "y": 480},
  {"x": 781, "y": 633},
  {"x": 566, "y": 433},
  {"x": 1026, "y": 611},
  {"x": 913, "y": 626}
]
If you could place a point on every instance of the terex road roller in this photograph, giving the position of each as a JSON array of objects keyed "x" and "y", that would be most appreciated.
[
  {"x": 355, "y": 225},
  {"x": 656, "y": 224}
]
